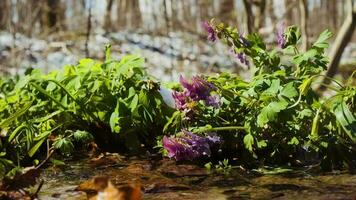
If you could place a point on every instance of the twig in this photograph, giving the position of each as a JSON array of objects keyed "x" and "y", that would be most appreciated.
[
  {"x": 34, "y": 195},
  {"x": 49, "y": 155}
]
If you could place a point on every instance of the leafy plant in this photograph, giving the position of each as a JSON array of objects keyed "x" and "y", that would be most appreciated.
[
  {"x": 277, "y": 117},
  {"x": 113, "y": 102}
]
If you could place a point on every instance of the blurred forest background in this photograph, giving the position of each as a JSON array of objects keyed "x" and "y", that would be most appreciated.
[{"x": 48, "y": 34}]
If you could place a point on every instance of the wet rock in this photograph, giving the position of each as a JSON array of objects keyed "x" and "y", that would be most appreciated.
[
  {"x": 165, "y": 187},
  {"x": 183, "y": 170}
]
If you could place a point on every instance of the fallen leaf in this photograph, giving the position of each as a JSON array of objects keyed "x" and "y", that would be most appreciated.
[{"x": 103, "y": 189}]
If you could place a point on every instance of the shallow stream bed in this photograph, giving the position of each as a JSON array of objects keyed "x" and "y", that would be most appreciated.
[{"x": 164, "y": 179}]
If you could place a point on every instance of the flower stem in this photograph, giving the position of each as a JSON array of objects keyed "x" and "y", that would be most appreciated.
[
  {"x": 227, "y": 128},
  {"x": 223, "y": 128}
]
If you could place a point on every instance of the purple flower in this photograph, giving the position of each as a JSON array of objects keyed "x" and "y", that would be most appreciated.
[
  {"x": 211, "y": 33},
  {"x": 281, "y": 40},
  {"x": 240, "y": 56},
  {"x": 195, "y": 90},
  {"x": 180, "y": 99},
  {"x": 244, "y": 41},
  {"x": 189, "y": 146},
  {"x": 213, "y": 101},
  {"x": 213, "y": 138},
  {"x": 198, "y": 89},
  {"x": 176, "y": 149}
]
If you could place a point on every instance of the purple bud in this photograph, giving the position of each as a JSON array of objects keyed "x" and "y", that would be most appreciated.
[
  {"x": 211, "y": 33},
  {"x": 281, "y": 40}
]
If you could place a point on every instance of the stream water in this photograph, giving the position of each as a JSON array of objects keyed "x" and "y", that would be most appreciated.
[{"x": 165, "y": 179}]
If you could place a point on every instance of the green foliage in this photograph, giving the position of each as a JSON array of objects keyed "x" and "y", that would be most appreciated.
[
  {"x": 277, "y": 116},
  {"x": 113, "y": 100}
]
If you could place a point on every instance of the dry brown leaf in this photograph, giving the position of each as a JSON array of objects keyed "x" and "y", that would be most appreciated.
[{"x": 105, "y": 190}]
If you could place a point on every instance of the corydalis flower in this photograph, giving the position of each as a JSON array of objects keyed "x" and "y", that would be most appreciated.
[
  {"x": 195, "y": 90},
  {"x": 281, "y": 40},
  {"x": 240, "y": 56},
  {"x": 244, "y": 41},
  {"x": 213, "y": 101},
  {"x": 198, "y": 89},
  {"x": 180, "y": 99},
  {"x": 211, "y": 33},
  {"x": 189, "y": 146}
]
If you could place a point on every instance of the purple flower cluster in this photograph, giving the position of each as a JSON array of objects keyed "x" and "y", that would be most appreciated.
[
  {"x": 211, "y": 33},
  {"x": 196, "y": 90},
  {"x": 281, "y": 40},
  {"x": 240, "y": 56},
  {"x": 189, "y": 146}
]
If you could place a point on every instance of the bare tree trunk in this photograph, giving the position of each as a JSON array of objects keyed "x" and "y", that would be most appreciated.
[
  {"x": 249, "y": 15},
  {"x": 332, "y": 8},
  {"x": 87, "y": 53},
  {"x": 271, "y": 12},
  {"x": 303, "y": 7},
  {"x": 166, "y": 18},
  {"x": 226, "y": 13},
  {"x": 5, "y": 7},
  {"x": 136, "y": 18},
  {"x": 121, "y": 14},
  {"x": 108, "y": 22},
  {"x": 342, "y": 39},
  {"x": 54, "y": 14},
  {"x": 260, "y": 15}
]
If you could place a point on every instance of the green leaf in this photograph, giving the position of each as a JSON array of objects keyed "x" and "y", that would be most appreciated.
[
  {"x": 64, "y": 145},
  {"x": 34, "y": 149},
  {"x": 289, "y": 91},
  {"x": 249, "y": 141},
  {"x": 315, "y": 126},
  {"x": 274, "y": 87},
  {"x": 269, "y": 113},
  {"x": 114, "y": 122},
  {"x": 134, "y": 103},
  {"x": 5, "y": 123},
  {"x": 346, "y": 119},
  {"x": 16, "y": 131},
  {"x": 293, "y": 141},
  {"x": 173, "y": 121},
  {"x": 261, "y": 144},
  {"x": 82, "y": 136},
  {"x": 321, "y": 41},
  {"x": 143, "y": 98},
  {"x": 305, "y": 86}
]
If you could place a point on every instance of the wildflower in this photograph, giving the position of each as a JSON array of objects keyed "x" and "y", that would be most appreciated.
[
  {"x": 176, "y": 149},
  {"x": 194, "y": 91},
  {"x": 211, "y": 33},
  {"x": 240, "y": 56},
  {"x": 281, "y": 40},
  {"x": 198, "y": 89},
  {"x": 213, "y": 101},
  {"x": 189, "y": 146},
  {"x": 244, "y": 41},
  {"x": 180, "y": 99}
]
